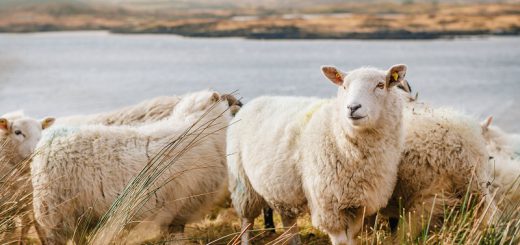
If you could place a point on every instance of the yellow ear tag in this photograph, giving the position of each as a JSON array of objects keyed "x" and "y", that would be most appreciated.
[
  {"x": 338, "y": 76},
  {"x": 395, "y": 75}
]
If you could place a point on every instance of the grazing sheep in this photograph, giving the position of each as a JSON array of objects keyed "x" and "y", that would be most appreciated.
[
  {"x": 336, "y": 157},
  {"x": 80, "y": 169},
  {"x": 504, "y": 153},
  {"x": 145, "y": 112},
  {"x": 444, "y": 156},
  {"x": 499, "y": 142},
  {"x": 148, "y": 111},
  {"x": 19, "y": 135}
]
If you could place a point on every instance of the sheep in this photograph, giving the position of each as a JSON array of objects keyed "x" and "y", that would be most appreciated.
[
  {"x": 504, "y": 153},
  {"x": 336, "y": 158},
  {"x": 499, "y": 142},
  {"x": 19, "y": 135},
  {"x": 406, "y": 89},
  {"x": 84, "y": 168},
  {"x": 148, "y": 111},
  {"x": 145, "y": 112},
  {"x": 444, "y": 156}
]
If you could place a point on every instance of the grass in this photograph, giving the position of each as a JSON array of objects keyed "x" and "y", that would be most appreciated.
[
  {"x": 348, "y": 20},
  {"x": 462, "y": 225}
]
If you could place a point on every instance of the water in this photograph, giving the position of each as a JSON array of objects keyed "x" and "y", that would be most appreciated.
[{"x": 85, "y": 72}]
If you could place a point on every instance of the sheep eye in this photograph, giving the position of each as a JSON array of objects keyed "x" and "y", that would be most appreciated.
[
  {"x": 380, "y": 86},
  {"x": 18, "y": 132}
]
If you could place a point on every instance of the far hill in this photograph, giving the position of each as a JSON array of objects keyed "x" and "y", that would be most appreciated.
[{"x": 372, "y": 19}]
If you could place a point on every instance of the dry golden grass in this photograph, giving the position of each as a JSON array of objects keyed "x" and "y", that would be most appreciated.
[{"x": 352, "y": 20}]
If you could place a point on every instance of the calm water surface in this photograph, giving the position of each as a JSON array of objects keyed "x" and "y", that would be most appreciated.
[{"x": 84, "y": 72}]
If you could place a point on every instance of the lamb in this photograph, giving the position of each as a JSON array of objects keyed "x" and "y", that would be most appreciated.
[
  {"x": 444, "y": 156},
  {"x": 336, "y": 158},
  {"x": 82, "y": 168},
  {"x": 19, "y": 135},
  {"x": 504, "y": 150}
]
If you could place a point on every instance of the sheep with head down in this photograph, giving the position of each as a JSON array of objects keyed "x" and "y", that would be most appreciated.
[
  {"x": 504, "y": 151},
  {"x": 83, "y": 169},
  {"x": 19, "y": 135},
  {"x": 444, "y": 156},
  {"x": 147, "y": 111},
  {"x": 336, "y": 158}
]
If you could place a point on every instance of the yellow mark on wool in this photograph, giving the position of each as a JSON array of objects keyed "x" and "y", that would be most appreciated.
[
  {"x": 395, "y": 75},
  {"x": 313, "y": 110}
]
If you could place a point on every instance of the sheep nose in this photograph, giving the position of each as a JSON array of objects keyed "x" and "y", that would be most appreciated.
[{"x": 353, "y": 108}]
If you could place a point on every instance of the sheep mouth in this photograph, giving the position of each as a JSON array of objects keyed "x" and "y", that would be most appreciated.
[{"x": 355, "y": 118}]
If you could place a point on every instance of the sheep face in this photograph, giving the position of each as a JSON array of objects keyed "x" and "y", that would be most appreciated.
[
  {"x": 497, "y": 141},
  {"x": 195, "y": 103},
  {"x": 364, "y": 93},
  {"x": 24, "y": 133}
]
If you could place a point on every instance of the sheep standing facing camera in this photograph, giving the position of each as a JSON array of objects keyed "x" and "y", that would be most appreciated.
[
  {"x": 18, "y": 138},
  {"x": 337, "y": 157},
  {"x": 83, "y": 169}
]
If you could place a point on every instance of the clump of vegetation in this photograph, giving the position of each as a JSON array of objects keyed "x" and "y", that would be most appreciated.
[{"x": 351, "y": 20}]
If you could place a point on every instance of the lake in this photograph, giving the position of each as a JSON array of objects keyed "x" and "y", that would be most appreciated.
[{"x": 64, "y": 73}]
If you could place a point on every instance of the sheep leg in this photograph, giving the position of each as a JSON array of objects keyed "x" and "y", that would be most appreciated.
[
  {"x": 247, "y": 225},
  {"x": 291, "y": 226},
  {"x": 338, "y": 238},
  {"x": 40, "y": 233},
  {"x": 268, "y": 220},
  {"x": 26, "y": 225},
  {"x": 354, "y": 225}
]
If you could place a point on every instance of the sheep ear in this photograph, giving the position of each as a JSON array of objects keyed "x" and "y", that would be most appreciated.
[
  {"x": 4, "y": 124},
  {"x": 395, "y": 75},
  {"x": 486, "y": 123},
  {"x": 234, "y": 109},
  {"x": 47, "y": 122},
  {"x": 405, "y": 86},
  {"x": 231, "y": 99},
  {"x": 333, "y": 74},
  {"x": 215, "y": 97}
]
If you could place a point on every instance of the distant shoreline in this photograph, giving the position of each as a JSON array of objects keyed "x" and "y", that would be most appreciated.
[
  {"x": 291, "y": 34},
  {"x": 349, "y": 21}
]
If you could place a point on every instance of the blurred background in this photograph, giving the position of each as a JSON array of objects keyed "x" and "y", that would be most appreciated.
[{"x": 61, "y": 57}]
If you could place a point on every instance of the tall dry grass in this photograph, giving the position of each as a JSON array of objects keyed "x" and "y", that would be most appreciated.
[
  {"x": 15, "y": 196},
  {"x": 144, "y": 185}
]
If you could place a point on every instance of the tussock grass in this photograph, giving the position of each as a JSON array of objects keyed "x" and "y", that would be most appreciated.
[{"x": 15, "y": 196}]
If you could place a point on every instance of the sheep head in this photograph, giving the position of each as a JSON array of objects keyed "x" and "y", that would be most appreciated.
[
  {"x": 23, "y": 133},
  {"x": 194, "y": 105},
  {"x": 365, "y": 93}
]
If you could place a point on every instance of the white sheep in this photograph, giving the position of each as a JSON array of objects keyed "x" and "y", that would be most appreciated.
[
  {"x": 336, "y": 157},
  {"x": 504, "y": 150},
  {"x": 147, "y": 111},
  {"x": 18, "y": 136},
  {"x": 82, "y": 169},
  {"x": 444, "y": 156}
]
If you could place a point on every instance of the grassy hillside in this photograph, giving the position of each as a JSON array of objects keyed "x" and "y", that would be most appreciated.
[{"x": 325, "y": 20}]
